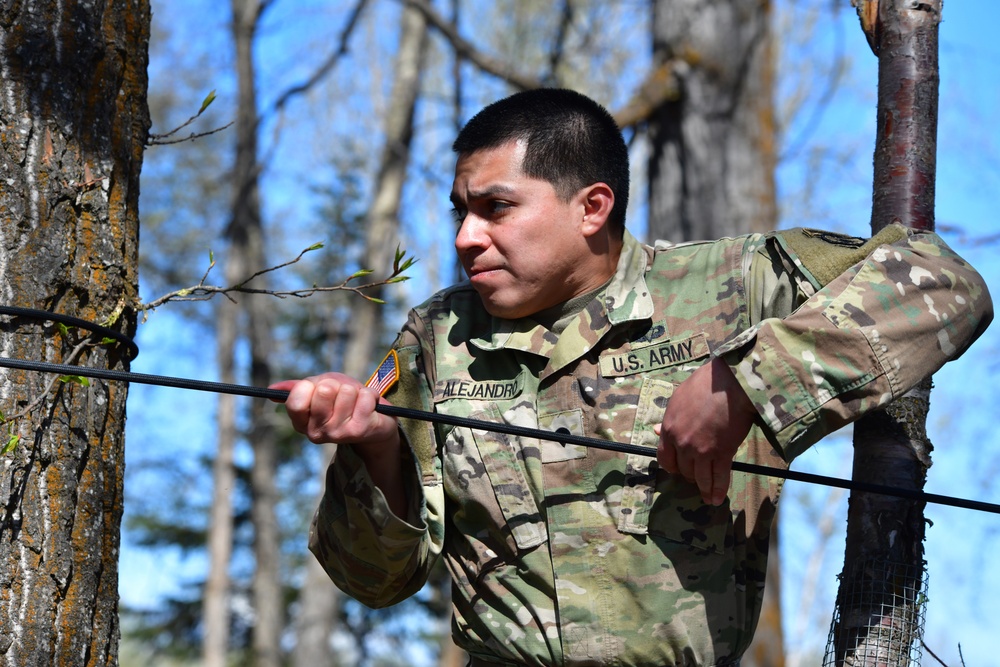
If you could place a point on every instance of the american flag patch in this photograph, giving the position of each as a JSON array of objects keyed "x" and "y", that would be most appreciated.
[{"x": 385, "y": 375}]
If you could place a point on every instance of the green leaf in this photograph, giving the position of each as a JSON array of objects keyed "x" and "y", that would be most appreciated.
[
  {"x": 63, "y": 329},
  {"x": 11, "y": 443},
  {"x": 206, "y": 102},
  {"x": 375, "y": 300},
  {"x": 108, "y": 340},
  {"x": 211, "y": 257},
  {"x": 75, "y": 379},
  {"x": 360, "y": 274},
  {"x": 314, "y": 246}
]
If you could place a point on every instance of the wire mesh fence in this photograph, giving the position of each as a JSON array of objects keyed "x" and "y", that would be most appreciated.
[{"x": 879, "y": 617}]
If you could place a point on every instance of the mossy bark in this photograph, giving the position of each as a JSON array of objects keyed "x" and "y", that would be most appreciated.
[{"x": 73, "y": 124}]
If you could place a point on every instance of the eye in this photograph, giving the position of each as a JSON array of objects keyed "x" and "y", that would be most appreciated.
[
  {"x": 458, "y": 214},
  {"x": 497, "y": 206}
]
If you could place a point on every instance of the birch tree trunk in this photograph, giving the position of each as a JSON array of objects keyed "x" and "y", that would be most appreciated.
[
  {"x": 712, "y": 163},
  {"x": 880, "y": 598},
  {"x": 319, "y": 596},
  {"x": 73, "y": 125}
]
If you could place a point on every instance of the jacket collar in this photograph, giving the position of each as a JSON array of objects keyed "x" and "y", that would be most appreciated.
[{"x": 625, "y": 299}]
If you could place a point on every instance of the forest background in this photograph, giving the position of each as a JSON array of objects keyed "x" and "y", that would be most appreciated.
[{"x": 319, "y": 151}]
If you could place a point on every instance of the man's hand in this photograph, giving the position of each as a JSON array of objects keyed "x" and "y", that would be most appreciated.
[
  {"x": 336, "y": 408},
  {"x": 707, "y": 418}
]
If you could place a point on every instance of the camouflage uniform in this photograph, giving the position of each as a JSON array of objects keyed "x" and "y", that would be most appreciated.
[{"x": 562, "y": 555}]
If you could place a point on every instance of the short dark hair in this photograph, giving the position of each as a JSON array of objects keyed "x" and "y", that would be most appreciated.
[{"x": 572, "y": 141}]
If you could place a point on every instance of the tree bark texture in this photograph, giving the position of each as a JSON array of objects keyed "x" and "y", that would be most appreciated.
[
  {"x": 73, "y": 124},
  {"x": 318, "y": 601},
  {"x": 880, "y": 596},
  {"x": 712, "y": 161},
  {"x": 712, "y": 149}
]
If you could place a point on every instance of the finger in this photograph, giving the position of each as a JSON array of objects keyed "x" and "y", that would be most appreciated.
[
  {"x": 298, "y": 404},
  {"x": 721, "y": 477},
  {"x": 666, "y": 456},
  {"x": 705, "y": 479},
  {"x": 332, "y": 405},
  {"x": 284, "y": 385},
  {"x": 363, "y": 415}
]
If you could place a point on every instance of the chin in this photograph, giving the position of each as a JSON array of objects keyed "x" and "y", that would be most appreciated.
[{"x": 504, "y": 311}]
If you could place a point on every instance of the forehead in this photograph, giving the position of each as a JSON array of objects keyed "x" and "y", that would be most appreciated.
[{"x": 489, "y": 168}]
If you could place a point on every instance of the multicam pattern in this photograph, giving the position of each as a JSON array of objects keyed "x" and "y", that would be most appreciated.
[{"x": 562, "y": 555}]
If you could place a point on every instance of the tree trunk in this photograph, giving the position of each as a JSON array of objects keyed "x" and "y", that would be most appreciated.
[
  {"x": 318, "y": 602},
  {"x": 73, "y": 124},
  {"x": 712, "y": 162},
  {"x": 216, "y": 598},
  {"x": 246, "y": 236},
  {"x": 880, "y": 598}
]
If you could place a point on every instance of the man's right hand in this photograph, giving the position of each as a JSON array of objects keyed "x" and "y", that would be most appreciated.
[{"x": 336, "y": 408}]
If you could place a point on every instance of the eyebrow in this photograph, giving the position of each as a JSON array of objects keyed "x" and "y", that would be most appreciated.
[{"x": 491, "y": 191}]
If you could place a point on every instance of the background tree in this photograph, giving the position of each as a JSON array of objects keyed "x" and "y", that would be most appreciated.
[
  {"x": 318, "y": 605},
  {"x": 73, "y": 125},
  {"x": 712, "y": 159}
]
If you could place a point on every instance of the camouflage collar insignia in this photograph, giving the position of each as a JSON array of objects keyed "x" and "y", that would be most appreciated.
[{"x": 627, "y": 297}]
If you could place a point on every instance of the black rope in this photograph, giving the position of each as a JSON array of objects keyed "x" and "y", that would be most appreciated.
[
  {"x": 69, "y": 320},
  {"x": 507, "y": 429}
]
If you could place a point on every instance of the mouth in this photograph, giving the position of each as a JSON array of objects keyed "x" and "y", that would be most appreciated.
[{"x": 481, "y": 271}]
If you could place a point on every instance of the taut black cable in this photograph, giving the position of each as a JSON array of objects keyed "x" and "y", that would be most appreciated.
[
  {"x": 507, "y": 429},
  {"x": 69, "y": 320}
]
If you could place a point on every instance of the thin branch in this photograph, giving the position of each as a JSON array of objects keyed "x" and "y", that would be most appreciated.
[
  {"x": 204, "y": 292},
  {"x": 661, "y": 85},
  {"x": 465, "y": 49},
  {"x": 559, "y": 48},
  {"x": 161, "y": 139},
  {"x": 33, "y": 403},
  {"x": 933, "y": 655},
  {"x": 833, "y": 80},
  {"x": 190, "y": 137},
  {"x": 327, "y": 66}
]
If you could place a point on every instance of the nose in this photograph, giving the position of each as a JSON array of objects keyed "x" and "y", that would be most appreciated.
[{"x": 471, "y": 234}]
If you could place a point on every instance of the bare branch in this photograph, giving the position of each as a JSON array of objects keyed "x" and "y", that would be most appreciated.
[
  {"x": 933, "y": 655},
  {"x": 34, "y": 402},
  {"x": 328, "y": 64},
  {"x": 190, "y": 137},
  {"x": 660, "y": 85},
  {"x": 203, "y": 292},
  {"x": 559, "y": 49},
  {"x": 465, "y": 49},
  {"x": 161, "y": 139}
]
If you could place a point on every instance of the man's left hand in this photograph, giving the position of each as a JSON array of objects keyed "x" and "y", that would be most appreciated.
[{"x": 707, "y": 418}]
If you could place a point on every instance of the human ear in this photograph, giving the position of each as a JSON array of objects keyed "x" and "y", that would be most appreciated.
[{"x": 598, "y": 200}]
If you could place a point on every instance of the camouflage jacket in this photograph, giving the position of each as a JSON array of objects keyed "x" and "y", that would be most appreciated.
[{"x": 562, "y": 555}]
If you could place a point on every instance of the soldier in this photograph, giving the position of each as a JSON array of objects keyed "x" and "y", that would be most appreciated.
[{"x": 750, "y": 348}]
